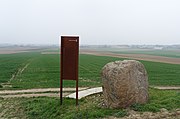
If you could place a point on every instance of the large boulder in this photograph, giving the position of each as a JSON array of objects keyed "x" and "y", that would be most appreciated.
[{"x": 124, "y": 83}]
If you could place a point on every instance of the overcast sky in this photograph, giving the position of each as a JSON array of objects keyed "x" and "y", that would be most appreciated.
[{"x": 95, "y": 21}]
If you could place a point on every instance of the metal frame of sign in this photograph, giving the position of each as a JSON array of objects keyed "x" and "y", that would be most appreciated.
[{"x": 69, "y": 62}]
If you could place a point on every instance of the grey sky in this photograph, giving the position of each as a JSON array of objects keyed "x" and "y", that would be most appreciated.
[{"x": 95, "y": 21}]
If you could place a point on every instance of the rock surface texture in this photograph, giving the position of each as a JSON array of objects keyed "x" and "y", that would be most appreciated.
[{"x": 124, "y": 83}]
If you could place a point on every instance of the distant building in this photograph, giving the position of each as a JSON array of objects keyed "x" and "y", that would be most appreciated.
[{"x": 158, "y": 48}]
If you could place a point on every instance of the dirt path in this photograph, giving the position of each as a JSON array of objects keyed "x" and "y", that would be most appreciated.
[
  {"x": 34, "y": 95},
  {"x": 39, "y": 90},
  {"x": 21, "y": 69},
  {"x": 136, "y": 56},
  {"x": 54, "y": 92},
  {"x": 48, "y": 92}
]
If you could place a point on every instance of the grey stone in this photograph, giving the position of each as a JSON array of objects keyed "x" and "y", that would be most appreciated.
[{"x": 124, "y": 83}]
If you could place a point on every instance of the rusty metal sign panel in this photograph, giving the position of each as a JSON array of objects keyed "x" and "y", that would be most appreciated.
[
  {"x": 69, "y": 57},
  {"x": 69, "y": 61}
]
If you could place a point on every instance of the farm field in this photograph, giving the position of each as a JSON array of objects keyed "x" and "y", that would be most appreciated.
[
  {"x": 37, "y": 70},
  {"x": 165, "y": 52}
]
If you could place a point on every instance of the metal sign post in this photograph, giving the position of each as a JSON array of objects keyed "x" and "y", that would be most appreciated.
[{"x": 69, "y": 61}]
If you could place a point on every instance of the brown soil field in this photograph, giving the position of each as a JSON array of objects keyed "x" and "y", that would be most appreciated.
[
  {"x": 10, "y": 52},
  {"x": 99, "y": 53},
  {"x": 13, "y": 50},
  {"x": 129, "y": 56},
  {"x": 135, "y": 56}
]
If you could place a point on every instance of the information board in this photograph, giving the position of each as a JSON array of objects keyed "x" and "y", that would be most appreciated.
[{"x": 69, "y": 61}]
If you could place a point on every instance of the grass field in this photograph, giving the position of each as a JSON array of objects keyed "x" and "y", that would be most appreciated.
[
  {"x": 10, "y": 63},
  {"x": 35, "y": 70},
  {"x": 89, "y": 107}
]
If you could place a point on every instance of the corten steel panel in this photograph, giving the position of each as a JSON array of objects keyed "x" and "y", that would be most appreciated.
[{"x": 69, "y": 57}]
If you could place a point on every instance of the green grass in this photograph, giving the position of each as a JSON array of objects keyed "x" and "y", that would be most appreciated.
[
  {"x": 11, "y": 108},
  {"x": 163, "y": 74},
  {"x": 43, "y": 71},
  {"x": 160, "y": 99},
  {"x": 50, "y": 108},
  {"x": 89, "y": 107},
  {"x": 10, "y": 63}
]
